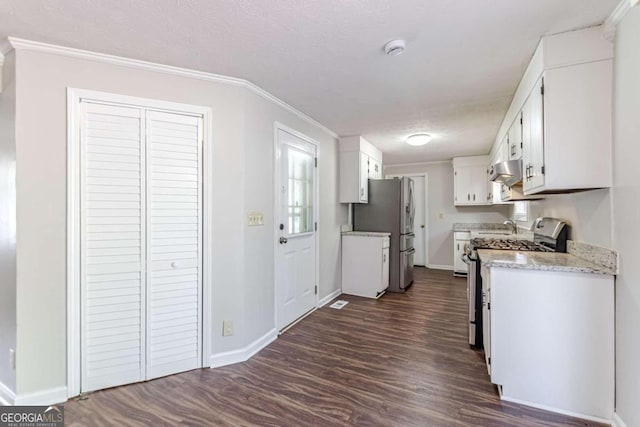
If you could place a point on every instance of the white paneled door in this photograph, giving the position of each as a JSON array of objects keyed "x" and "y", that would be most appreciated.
[
  {"x": 140, "y": 244},
  {"x": 296, "y": 228}
]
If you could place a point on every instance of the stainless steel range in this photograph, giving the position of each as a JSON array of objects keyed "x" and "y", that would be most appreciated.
[{"x": 549, "y": 235}]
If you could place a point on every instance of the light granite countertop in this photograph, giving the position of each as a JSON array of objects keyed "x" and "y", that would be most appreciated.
[
  {"x": 366, "y": 233},
  {"x": 548, "y": 261}
]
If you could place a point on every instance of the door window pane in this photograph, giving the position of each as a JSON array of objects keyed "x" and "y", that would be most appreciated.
[{"x": 300, "y": 191}]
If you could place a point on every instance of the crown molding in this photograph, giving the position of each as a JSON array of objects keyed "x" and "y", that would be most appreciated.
[
  {"x": 401, "y": 165},
  {"x": 616, "y": 16},
  {"x": 14, "y": 43}
]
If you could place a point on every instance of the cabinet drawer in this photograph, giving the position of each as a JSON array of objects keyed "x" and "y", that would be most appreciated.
[
  {"x": 462, "y": 235},
  {"x": 385, "y": 242}
]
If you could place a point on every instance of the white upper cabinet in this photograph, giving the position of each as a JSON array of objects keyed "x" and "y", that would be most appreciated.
[
  {"x": 515, "y": 143},
  {"x": 470, "y": 181},
  {"x": 565, "y": 102},
  {"x": 375, "y": 169},
  {"x": 533, "y": 142},
  {"x": 359, "y": 162}
]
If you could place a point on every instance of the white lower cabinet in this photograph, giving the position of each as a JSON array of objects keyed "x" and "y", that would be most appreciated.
[
  {"x": 460, "y": 239},
  {"x": 549, "y": 338},
  {"x": 365, "y": 264}
]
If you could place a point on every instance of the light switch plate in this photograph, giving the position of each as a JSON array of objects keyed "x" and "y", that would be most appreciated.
[
  {"x": 255, "y": 219},
  {"x": 227, "y": 328}
]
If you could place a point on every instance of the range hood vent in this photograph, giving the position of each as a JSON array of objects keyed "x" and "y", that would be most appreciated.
[{"x": 508, "y": 173}]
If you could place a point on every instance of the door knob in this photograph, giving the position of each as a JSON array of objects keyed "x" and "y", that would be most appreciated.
[
  {"x": 283, "y": 240},
  {"x": 422, "y": 226},
  {"x": 174, "y": 265}
]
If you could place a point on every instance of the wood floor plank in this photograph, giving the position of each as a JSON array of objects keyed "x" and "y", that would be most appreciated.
[{"x": 402, "y": 360}]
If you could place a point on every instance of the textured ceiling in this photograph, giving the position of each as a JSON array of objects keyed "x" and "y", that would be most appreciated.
[{"x": 463, "y": 61}]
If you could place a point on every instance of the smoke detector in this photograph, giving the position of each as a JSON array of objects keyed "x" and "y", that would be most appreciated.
[{"x": 395, "y": 47}]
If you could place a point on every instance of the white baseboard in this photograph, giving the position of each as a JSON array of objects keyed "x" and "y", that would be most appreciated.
[
  {"x": 7, "y": 396},
  {"x": 45, "y": 397},
  {"x": 326, "y": 300},
  {"x": 440, "y": 267},
  {"x": 245, "y": 353},
  {"x": 253, "y": 348},
  {"x": 558, "y": 411},
  {"x": 617, "y": 421}
]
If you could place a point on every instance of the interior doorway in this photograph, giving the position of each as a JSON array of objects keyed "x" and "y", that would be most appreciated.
[{"x": 421, "y": 230}]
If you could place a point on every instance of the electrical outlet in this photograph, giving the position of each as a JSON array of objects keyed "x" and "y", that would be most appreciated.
[
  {"x": 12, "y": 358},
  {"x": 255, "y": 219},
  {"x": 227, "y": 328},
  {"x": 441, "y": 215}
]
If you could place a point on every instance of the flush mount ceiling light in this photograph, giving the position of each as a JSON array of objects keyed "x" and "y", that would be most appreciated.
[
  {"x": 395, "y": 47},
  {"x": 419, "y": 139}
]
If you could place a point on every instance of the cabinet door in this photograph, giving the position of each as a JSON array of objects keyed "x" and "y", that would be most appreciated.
[
  {"x": 462, "y": 186},
  {"x": 458, "y": 249},
  {"x": 479, "y": 185},
  {"x": 364, "y": 178},
  {"x": 515, "y": 139},
  {"x": 375, "y": 169},
  {"x": 486, "y": 325},
  {"x": 533, "y": 139},
  {"x": 384, "y": 283},
  {"x": 504, "y": 148}
]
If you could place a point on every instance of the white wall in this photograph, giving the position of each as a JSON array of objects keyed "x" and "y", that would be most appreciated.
[
  {"x": 7, "y": 223},
  {"x": 626, "y": 216},
  {"x": 259, "y": 196},
  {"x": 242, "y": 181},
  {"x": 588, "y": 213},
  {"x": 439, "y": 230}
]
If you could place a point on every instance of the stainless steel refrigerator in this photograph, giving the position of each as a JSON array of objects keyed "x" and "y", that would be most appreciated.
[{"x": 391, "y": 209}]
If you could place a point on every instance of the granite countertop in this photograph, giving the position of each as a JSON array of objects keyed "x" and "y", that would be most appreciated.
[
  {"x": 548, "y": 261},
  {"x": 366, "y": 233},
  {"x": 477, "y": 226}
]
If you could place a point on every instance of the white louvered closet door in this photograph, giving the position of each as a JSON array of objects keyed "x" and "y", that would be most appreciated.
[
  {"x": 141, "y": 244},
  {"x": 174, "y": 189},
  {"x": 112, "y": 246}
]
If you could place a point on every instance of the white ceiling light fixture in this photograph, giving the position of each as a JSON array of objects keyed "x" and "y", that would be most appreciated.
[
  {"x": 419, "y": 139},
  {"x": 395, "y": 47}
]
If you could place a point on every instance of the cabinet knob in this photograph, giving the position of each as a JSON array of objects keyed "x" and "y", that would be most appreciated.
[{"x": 468, "y": 196}]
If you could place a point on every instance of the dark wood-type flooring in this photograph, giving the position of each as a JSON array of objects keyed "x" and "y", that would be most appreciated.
[{"x": 402, "y": 360}]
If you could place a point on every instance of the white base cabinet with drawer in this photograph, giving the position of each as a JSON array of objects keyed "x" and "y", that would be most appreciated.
[
  {"x": 365, "y": 264},
  {"x": 549, "y": 339},
  {"x": 460, "y": 239}
]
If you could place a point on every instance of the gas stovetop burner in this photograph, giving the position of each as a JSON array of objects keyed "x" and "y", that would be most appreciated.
[{"x": 508, "y": 244}]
